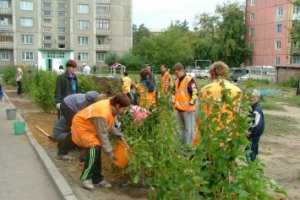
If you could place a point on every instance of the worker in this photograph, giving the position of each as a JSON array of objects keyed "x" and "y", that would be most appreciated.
[
  {"x": 219, "y": 73},
  {"x": 127, "y": 82},
  {"x": 184, "y": 100},
  {"x": 165, "y": 80},
  {"x": 146, "y": 90},
  {"x": 90, "y": 130}
]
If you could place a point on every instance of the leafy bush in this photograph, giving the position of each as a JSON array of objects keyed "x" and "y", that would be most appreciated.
[
  {"x": 111, "y": 58},
  {"x": 216, "y": 169},
  {"x": 131, "y": 61},
  {"x": 292, "y": 82},
  {"x": 42, "y": 89},
  {"x": 87, "y": 83},
  {"x": 9, "y": 75}
]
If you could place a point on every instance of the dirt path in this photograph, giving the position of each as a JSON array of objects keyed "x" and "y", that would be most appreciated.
[{"x": 281, "y": 154}]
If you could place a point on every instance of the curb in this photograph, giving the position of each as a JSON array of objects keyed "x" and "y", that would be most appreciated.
[{"x": 58, "y": 179}]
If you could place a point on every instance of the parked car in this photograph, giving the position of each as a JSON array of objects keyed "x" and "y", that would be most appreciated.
[
  {"x": 200, "y": 73},
  {"x": 239, "y": 74}
]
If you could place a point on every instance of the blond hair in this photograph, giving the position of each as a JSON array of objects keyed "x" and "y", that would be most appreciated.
[{"x": 219, "y": 69}]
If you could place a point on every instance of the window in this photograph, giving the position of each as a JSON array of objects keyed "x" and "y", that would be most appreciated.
[
  {"x": 100, "y": 40},
  {"x": 252, "y": 2},
  {"x": 82, "y": 56},
  {"x": 252, "y": 32},
  {"x": 61, "y": 46},
  {"x": 27, "y": 39},
  {"x": 296, "y": 10},
  {"x": 26, "y": 5},
  {"x": 4, "y": 21},
  {"x": 102, "y": 9},
  {"x": 47, "y": 37},
  {"x": 27, "y": 56},
  {"x": 278, "y": 28},
  {"x": 4, "y": 4},
  {"x": 252, "y": 16},
  {"x": 278, "y": 44},
  {"x": 277, "y": 60},
  {"x": 61, "y": 38},
  {"x": 102, "y": 24},
  {"x": 100, "y": 56},
  {"x": 47, "y": 12},
  {"x": 61, "y": 29},
  {"x": 4, "y": 55},
  {"x": 61, "y": 13},
  {"x": 26, "y": 22},
  {"x": 296, "y": 59},
  {"x": 279, "y": 12},
  {"x": 47, "y": 5},
  {"x": 6, "y": 38},
  {"x": 47, "y": 20},
  {"x": 84, "y": 24},
  {"x": 47, "y": 45},
  {"x": 83, "y": 8},
  {"x": 83, "y": 40}
]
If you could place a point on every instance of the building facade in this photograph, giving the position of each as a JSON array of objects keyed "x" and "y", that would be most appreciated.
[
  {"x": 269, "y": 24},
  {"x": 47, "y": 33}
]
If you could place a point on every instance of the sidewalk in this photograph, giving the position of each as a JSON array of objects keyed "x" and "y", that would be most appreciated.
[{"x": 22, "y": 175}]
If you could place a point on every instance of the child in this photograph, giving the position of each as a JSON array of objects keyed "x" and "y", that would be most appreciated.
[
  {"x": 257, "y": 125},
  {"x": 1, "y": 93}
]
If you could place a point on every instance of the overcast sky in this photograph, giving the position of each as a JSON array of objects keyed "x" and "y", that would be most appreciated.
[{"x": 158, "y": 14}]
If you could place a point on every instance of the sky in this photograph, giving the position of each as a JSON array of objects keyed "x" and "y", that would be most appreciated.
[{"x": 158, "y": 14}]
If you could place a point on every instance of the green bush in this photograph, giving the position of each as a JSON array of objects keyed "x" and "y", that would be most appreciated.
[
  {"x": 292, "y": 82},
  {"x": 9, "y": 75},
  {"x": 131, "y": 61},
  {"x": 111, "y": 58},
  {"x": 87, "y": 83}
]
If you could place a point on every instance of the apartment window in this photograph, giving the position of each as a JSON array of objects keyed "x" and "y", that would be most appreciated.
[
  {"x": 27, "y": 55},
  {"x": 61, "y": 13},
  {"x": 278, "y": 28},
  {"x": 61, "y": 6},
  {"x": 83, "y": 40},
  {"x": 47, "y": 45},
  {"x": 252, "y": 16},
  {"x": 61, "y": 38},
  {"x": 83, "y": 8},
  {"x": 4, "y": 4},
  {"x": 252, "y": 2},
  {"x": 47, "y": 37},
  {"x": 4, "y": 21},
  {"x": 296, "y": 59},
  {"x": 100, "y": 56},
  {"x": 47, "y": 20},
  {"x": 26, "y": 22},
  {"x": 279, "y": 12},
  {"x": 4, "y": 55},
  {"x": 278, "y": 44},
  {"x": 102, "y": 9},
  {"x": 102, "y": 24},
  {"x": 27, "y": 39},
  {"x": 26, "y": 5},
  {"x": 84, "y": 24},
  {"x": 61, "y": 29},
  {"x": 83, "y": 56},
  {"x": 100, "y": 40},
  {"x": 277, "y": 60},
  {"x": 6, "y": 38},
  {"x": 47, "y": 12},
  {"x": 61, "y": 46},
  {"x": 296, "y": 10},
  {"x": 252, "y": 32}
]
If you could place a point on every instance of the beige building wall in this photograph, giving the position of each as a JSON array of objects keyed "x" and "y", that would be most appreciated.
[{"x": 56, "y": 30}]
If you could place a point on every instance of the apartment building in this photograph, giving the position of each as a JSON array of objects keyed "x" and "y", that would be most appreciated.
[
  {"x": 269, "y": 24},
  {"x": 46, "y": 33}
]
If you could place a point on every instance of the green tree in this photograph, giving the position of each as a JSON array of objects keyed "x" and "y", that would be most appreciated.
[
  {"x": 111, "y": 58},
  {"x": 295, "y": 31},
  {"x": 131, "y": 61},
  {"x": 139, "y": 33}
]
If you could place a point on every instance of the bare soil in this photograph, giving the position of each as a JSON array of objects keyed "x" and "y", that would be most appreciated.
[{"x": 280, "y": 153}]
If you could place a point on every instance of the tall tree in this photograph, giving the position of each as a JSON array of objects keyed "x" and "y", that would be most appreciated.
[{"x": 139, "y": 33}]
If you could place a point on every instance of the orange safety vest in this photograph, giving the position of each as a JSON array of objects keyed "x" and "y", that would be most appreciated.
[
  {"x": 84, "y": 133},
  {"x": 147, "y": 99},
  {"x": 182, "y": 96},
  {"x": 165, "y": 82}
]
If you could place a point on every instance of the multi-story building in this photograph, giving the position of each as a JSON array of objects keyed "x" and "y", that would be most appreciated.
[
  {"x": 269, "y": 25},
  {"x": 46, "y": 33}
]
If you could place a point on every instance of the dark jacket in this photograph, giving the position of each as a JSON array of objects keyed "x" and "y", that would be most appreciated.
[
  {"x": 258, "y": 123},
  {"x": 64, "y": 88}
]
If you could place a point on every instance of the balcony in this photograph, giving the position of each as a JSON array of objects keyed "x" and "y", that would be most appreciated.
[
  {"x": 105, "y": 15},
  {"x": 5, "y": 11},
  {"x": 103, "y": 31},
  {"x": 103, "y": 1},
  {"x": 5, "y": 28},
  {"x": 6, "y": 45},
  {"x": 103, "y": 47}
]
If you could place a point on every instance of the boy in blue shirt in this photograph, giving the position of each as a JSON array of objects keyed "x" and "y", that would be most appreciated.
[
  {"x": 257, "y": 126},
  {"x": 1, "y": 93}
]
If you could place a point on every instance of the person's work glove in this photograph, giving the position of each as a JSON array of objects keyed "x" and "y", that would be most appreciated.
[{"x": 58, "y": 106}]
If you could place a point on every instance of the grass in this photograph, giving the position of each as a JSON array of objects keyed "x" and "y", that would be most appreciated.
[{"x": 280, "y": 125}]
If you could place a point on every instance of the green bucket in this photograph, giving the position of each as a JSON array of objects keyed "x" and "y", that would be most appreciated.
[{"x": 19, "y": 128}]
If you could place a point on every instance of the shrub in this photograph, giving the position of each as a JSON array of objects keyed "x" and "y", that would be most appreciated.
[
  {"x": 9, "y": 75},
  {"x": 111, "y": 58},
  {"x": 131, "y": 61},
  {"x": 292, "y": 82},
  {"x": 87, "y": 83}
]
